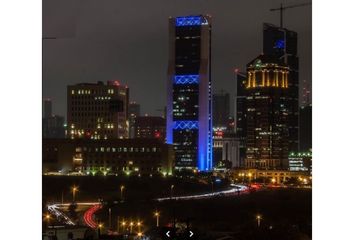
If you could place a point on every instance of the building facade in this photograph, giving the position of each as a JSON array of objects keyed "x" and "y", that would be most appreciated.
[
  {"x": 133, "y": 113},
  {"x": 282, "y": 44},
  {"x": 150, "y": 127},
  {"x": 305, "y": 128},
  {"x": 269, "y": 176},
  {"x": 97, "y": 110},
  {"x": 110, "y": 156},
  {"x": 221, "y": 109},
  {"x": 267, "y": 144},
  {"x": 47, "y": 108},
  {"x": 240, "y": 114},
  {"x": 226, "y": 150},
  {"x": 300, "y": 161},
  {"x": 52, "y": 125},
  {"x": 189, "y": 96}
]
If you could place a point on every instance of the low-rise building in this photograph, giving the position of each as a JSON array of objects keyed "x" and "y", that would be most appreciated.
[
  {"x": 273, "y": 176},
  {"x": 110, "y": 156},
  {"x": 300, "y": 161}
]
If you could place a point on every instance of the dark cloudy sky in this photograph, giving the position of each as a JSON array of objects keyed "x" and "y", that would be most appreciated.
[{"x": 100, "y": 40}]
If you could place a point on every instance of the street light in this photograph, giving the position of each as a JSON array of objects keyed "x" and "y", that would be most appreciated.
[
  {"x": 74, "y": 190},
  {"x": 171, "y": 192},
  {"x": 139, "y": 225},
  {"x": 157, "y": 215},
  {"x": 131, "y": 226},
  {"x": 121, "y": 192},
  {"x": 47, "y": 218},
  {"x": 273, "y": 180},
  {"x": 110, "y": 218},
  {"x": 123, "y": 226},
  {"x": 99, "y": 228},
  {"x": 259, "y": 217}
]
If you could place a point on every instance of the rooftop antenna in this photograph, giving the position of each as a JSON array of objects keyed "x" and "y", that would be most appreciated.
[{"x": 281, "y": 9}]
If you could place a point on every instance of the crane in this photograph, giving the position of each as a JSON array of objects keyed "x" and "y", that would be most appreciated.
[{"x": 281, "y": 9}]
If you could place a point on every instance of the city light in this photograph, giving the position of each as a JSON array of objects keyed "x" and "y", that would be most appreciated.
[
  {"x": 74, "y": 190},
  {"x": 259, "y": 218},
  {"x": 157, "y": 215}
]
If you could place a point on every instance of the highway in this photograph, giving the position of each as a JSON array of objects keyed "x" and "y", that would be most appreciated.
[
  {"x": 57, "y": 209},
  {"x": 236, "y": 189}
]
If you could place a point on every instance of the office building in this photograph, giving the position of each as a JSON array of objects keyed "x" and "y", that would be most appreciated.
[
  {"x": 267, "y": 144},
  {"x": 282, "y": 44},
  {"x": 221, "y": 109},
  {"x": 300, "y": 161},
  {"x": 47, "y": 108},
  {"x": 306, "y": 128},
  {"x": 306, "y": 93},
  {"x": 226, "y": 150},
  {"x": 52, "y": 125},
  {"x": 240, "y": 114},
  {"x": 110, "y": 156},
  {"x": 189, "y": 96},
  {"x": 133, "y": 113},
  {"x": 269, "y": 176},
  {"x": 150, "y": 127},
  {"x": 97, "y": 110}
]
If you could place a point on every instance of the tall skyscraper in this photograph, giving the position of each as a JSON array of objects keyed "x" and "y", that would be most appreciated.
[
  {"x": 52, "y": 125},
  {"x": 306, "y": 94},
  {"x": 189, "y": 97},
  {"x": 221, "y": 109},
  {"x": 305, "y": 128},
  {"x": 47, "y": 108},
  {"x": 133, "y": 113},
  {"x": 98, "y": 111},
  {"x": 267, "y": 144},
  {"x": 240, "y": 114},
  {"x": 282, "y": 43}
]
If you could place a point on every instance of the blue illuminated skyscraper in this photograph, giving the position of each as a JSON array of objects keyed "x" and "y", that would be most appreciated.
[{"x": 189, "y": 97}]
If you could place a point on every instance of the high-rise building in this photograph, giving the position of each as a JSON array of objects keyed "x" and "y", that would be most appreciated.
[
  {"x": 189, "y": 97},
  {"x": 150, "y": 127},
  {"x": 133, "y": 113},
  {"x": 267, "y": 144},
  {"x": 306, "y": 128},
  {"x": 282, "y": 43},
  {"x": 240, "y": 114},
  {"x": 306, "y": 93},
  {"x": 97, "y": 110},
  {"x": 52, "y": 125},
  {"x": 47, "y": 108},
  {"x": 221, "y": 109}
]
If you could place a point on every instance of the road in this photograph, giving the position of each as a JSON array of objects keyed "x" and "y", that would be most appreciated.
[
  {"x": 236, "y": 189},
  {"x": 57, "y": 209}
]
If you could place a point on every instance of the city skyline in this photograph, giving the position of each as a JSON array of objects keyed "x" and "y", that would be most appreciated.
[{"x": 96, "y": 56}]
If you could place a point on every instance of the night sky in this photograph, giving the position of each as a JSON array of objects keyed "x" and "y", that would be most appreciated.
[{"x": 126, "y": 40}]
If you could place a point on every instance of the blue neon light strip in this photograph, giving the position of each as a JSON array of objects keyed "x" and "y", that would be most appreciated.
[
  {"x": 185, "y": 125},
  {"x": 186, "y": 79},
  {"x": 280, "y": 44},
  {"x": 188, "y": 21}
]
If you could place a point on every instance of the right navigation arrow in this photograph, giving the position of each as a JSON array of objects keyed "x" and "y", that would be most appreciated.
[{"x": 190, "y": 233}]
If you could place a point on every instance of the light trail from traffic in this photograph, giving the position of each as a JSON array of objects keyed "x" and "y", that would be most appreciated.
[
  {"x": 235, "y": 190},
  {"x": 88, "y": 216},
  {"x": 56, "y": 210}
]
